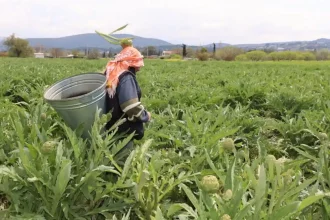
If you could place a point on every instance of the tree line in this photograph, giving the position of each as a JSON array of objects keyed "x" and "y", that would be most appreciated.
[
  {"x": 232, "y": 53},
  {"x": 18, "y": 47}
]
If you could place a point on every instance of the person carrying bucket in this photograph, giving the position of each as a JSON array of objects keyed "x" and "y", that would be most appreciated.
[{"x": 123, "y": 97}]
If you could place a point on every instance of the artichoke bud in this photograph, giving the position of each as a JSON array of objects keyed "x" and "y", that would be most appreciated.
[
  {"x": 323, "y": 136},
  {"x": 227, "y": 195},
  {"x": 287, "y": 176},
  {"x": 43, "y": 116},
  {"x": 210, "y": 184},
  {"x": 287, "y": 179},
  {"x": 48, "y": 147},
  {"x": 228, "y": 144},
  {"x": 241, "y": 154},
  {"x": 225, "y": 217}
]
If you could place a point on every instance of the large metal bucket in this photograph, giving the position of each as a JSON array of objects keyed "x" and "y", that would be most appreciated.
[{"x": 77, "y": 98}]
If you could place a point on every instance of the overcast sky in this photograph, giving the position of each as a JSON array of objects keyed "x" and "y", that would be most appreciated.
[{"x": 176, "y": 21}]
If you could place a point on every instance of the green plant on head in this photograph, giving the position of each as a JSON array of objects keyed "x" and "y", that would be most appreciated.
[{"x": 124, "y": 42}]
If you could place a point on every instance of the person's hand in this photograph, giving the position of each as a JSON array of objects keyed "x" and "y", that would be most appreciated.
[{"x": 149, "y": 115}]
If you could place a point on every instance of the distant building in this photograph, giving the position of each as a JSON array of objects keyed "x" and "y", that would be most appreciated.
[
  {"x": 39, "y": 55},
  {"x": 67, "y": 56},
  {"x": 167, "y": 53}
]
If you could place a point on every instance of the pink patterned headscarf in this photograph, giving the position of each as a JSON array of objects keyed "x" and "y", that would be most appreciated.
[{"x": 128, "y": 57}]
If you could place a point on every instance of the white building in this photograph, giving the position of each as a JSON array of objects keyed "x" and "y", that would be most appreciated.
[
  {"x": 167, "y": 53},
  {"x": 39, "y": 55}
]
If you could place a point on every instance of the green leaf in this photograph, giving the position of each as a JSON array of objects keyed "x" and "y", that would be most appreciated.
[
  {"x": 285, "y": 211},
  {"x": 27, "y": 217},
  {"x": 174, "y": 208},
  {"x": 230, "y": 177},
  {"x": 62, "y": 181},
  {"x": 103, "y": 168},
  {"x": 108, "y": 208},
  {"x": 241, "y": 214},
  {"x": 108, "y": 38},
  {"x": 210, "y": 162},
  {"x": 159, "y": 214},
  {"x": 295, "y": 191},
  {"x": 127, "y": 166},
  {"x": 309, "y": 201},
  {"x": 191, "y": 197},
  {"x": 144, "y": 177},
  {"x": 260, "y": 195},
  {"x": 59, "y": 154},
  {"x": 303, "y": 153},
  {"x": 236, "y": 201},
  {"x": 119, "y": 29}
]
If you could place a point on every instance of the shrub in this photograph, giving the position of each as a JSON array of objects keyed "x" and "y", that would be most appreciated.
[
  {"x": 204, "y": 50},
  {"x": 175, "y": 56},
  {"x": 3, "y": 54},
  {"x": 18, "y": 47},
  {"x": 309, "y": 56},
  {"x": 256, "y": 55},
  {"x": 274, "y": 56},
  {"x": 241, "y": 57},
  {"x": 93, "y": 54},
  {"x": 228, "y": 53},
  {"x": 323, "y": 54},
  {"x": 202, "y": 56},
  {"x": 289, "y": 55}
]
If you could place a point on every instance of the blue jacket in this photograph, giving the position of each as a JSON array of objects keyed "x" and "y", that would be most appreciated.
[{"x": 126, "y": 104}]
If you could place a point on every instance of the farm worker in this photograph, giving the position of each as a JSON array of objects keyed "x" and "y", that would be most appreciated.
[{"x": 124, "y": 93}]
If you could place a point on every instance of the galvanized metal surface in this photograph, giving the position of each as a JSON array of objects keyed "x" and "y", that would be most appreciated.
[{"x": 77, "y": 98}]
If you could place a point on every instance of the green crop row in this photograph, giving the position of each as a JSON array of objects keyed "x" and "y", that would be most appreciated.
[{"x": 227, "y": 141}]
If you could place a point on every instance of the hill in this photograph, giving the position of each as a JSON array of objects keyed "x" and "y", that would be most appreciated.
[
  {"x": 92, "y": 40},
  {"x": 293, "y": 45}
]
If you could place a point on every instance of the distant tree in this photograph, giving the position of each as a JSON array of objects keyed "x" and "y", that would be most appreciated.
[
  {"x": 103, "y": 54},
  {"x": 39, "y": 48},
  {"x": 75, "y": 53},
  {"x": 149, "y": 51},
  {"x": 228, "y": 53},
  {"x": 241, "y": 57},
  {"x": 268, "y": 50},
  {"x": 275, "y": 56},
  {"x": 178, "y": 50},
  {"x": 18, "y": 47},
  {"x": 56, "y": 52},
  {"x": 323, "y": 54},
  {"x": 184, "y": 50},
  {"x": 93, "y": 54},
  {"x": 256, "y": 55},
  {"x": 203, "y": 54},
  {"x": 3, "y": 54},
  {"x": 110, "y": 54},
  {"x": 214, "y": 49},
  {"x": 203, "y": 50},
  {"x": 308, "y": 56},
  {"x": 190, "y": 52}
]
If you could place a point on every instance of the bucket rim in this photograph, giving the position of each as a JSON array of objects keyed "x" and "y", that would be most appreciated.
[{"x": 70, "y": 77}]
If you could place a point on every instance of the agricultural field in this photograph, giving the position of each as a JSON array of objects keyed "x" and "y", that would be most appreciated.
[{"x": 227, "y": 140}]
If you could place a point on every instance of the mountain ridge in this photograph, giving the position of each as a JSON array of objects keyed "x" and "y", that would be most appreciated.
[{"x": 93, "y": 40}]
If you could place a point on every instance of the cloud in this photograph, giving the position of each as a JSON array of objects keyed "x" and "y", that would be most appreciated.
[{"x": 177, "y": 21}]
